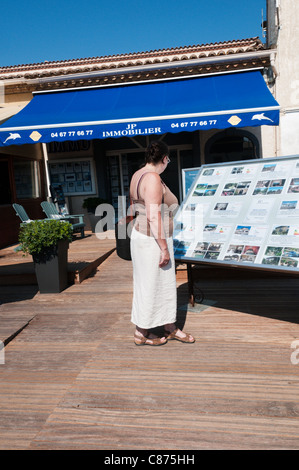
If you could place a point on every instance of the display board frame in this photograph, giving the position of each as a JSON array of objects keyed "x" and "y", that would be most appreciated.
[{"x": 253, "y": 234}]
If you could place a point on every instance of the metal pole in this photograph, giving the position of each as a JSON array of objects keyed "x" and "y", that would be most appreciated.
[{"x": 46, "y": 159}]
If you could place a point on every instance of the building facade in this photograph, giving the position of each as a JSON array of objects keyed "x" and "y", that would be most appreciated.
[{"x": 282, "y": 37}]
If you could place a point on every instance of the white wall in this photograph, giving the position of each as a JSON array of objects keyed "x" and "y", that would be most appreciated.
[
  {"x": 286, "y": 137},
  {"x": 289, "y": 128}
]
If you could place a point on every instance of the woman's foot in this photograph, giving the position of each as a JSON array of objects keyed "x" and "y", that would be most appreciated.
[
  {"x": 142, "y": 338},
  {"x": 172, "y": 332}
]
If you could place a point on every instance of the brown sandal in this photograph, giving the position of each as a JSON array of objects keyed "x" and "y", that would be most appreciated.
[
  {"x": 143, "y": 341},
  {"x": 173, "y": 335}
]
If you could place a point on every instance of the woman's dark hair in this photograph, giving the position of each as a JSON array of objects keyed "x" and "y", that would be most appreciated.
[{"x": 155, "y": 152}]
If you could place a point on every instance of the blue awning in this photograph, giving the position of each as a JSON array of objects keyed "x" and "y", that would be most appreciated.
[{"x": 216, "y": 101}]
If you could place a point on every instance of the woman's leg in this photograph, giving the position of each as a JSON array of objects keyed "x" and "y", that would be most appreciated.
[{"x": 141, "y": 336}]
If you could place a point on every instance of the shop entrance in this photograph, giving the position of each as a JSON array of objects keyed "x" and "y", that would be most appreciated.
[
  {"x": 231, "y": 145},
  {"x": 5, "y": 187},
  {"x": 122, "y": 165}
]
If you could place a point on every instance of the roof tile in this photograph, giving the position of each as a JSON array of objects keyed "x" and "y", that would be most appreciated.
[{"x": 254, "y": 43}]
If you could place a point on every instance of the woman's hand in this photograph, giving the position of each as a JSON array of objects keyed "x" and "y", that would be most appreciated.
[{"x": 164, "y": 258}]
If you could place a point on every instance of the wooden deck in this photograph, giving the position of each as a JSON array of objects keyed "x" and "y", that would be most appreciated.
[
  {"x": 84, "y": 256},
  {"x": 73, "y": 378}
]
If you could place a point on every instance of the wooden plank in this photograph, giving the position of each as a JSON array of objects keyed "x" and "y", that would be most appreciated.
[
  {"x": 73, "y": 379},
  {"x": 84, "y": 256}
]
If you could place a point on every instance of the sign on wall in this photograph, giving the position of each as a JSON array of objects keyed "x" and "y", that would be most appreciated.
[{"x": 242, "y": 213}]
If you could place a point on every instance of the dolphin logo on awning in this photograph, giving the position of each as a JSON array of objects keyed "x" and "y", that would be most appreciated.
[
  {"x": 12, "y": 136},
  {"x": 261, "y": 116}
]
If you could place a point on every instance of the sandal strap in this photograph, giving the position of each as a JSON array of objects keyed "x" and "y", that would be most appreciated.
[
  {"x": 148, "y": 341},
  {"x": 170, "y": 335},
  {"x": 184, "y": 339}
]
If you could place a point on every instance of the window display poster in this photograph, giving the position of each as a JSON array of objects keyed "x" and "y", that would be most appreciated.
[
  {"x": 75, "y": 176},
  {"x": 242, "y": 213},
  {"x": 188, "y": 176}
]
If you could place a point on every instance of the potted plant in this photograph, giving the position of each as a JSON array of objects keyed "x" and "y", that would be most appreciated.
[
  {"x": 91, "y": 203},
  {"x": 47, "y": 241}
]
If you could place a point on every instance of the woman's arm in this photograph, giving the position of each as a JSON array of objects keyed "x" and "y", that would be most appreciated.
[{"x": 152, "y": 192}]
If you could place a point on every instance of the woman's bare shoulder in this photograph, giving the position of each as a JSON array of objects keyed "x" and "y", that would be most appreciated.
[
  {"x": 152, "y": 177},
  {"x": 150, "y": 184},
  {"x": 146, "y": 178}
]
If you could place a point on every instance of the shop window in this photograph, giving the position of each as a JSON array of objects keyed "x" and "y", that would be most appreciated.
[
  {"x": 186, "y": 158},
  {"x": 171, "y": 176},
  {"x": 26, "y": 176},
  {"x": 231, "y": 145},
  {"x": 75, "y": 176},
  {"x": 5, "y": 189},
  {"x": 121, "y": 169},
  {"x": 130, "y": 164}
]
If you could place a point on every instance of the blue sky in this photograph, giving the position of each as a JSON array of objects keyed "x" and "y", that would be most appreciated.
[{"x": 38, "y": 30}]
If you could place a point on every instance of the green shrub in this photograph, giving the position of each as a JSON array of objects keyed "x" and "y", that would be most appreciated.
[{"x": 41, "y": 236}]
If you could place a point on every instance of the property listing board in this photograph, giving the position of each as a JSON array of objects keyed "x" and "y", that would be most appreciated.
[{"x": 242, "y": 213}]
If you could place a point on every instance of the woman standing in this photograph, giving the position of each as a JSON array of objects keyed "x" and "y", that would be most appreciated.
[{"x": 154, "y": 280}]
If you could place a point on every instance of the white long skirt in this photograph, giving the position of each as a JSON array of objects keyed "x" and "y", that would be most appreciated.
[{"x": 154, "y": 288}]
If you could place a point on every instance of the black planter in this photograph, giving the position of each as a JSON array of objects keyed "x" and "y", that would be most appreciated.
[
  {"x": 51, "y": 269},
  {"x": 93, "y": 220}
]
